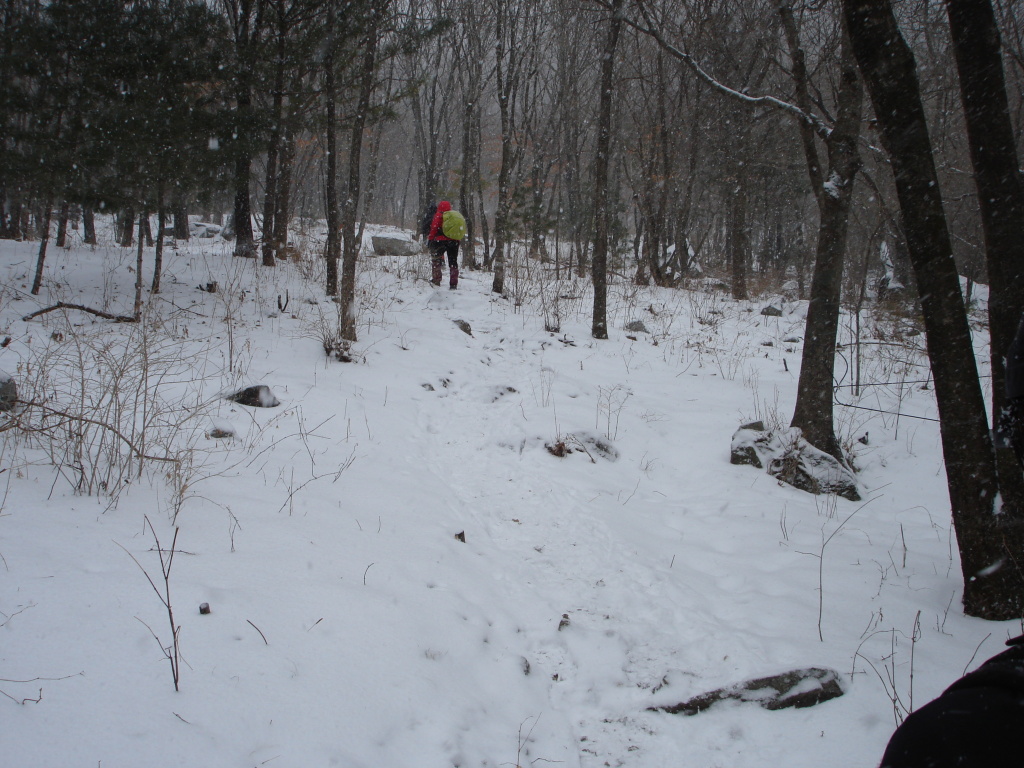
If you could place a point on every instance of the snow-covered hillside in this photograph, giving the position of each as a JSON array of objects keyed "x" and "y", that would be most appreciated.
[{"x": 400, "y": 571}]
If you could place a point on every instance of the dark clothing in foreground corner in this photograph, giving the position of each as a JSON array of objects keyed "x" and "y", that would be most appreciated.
[{"x": 978, "y": 722}]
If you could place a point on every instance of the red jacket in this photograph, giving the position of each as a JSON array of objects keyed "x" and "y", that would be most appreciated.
[{"x": 435, "y": 226}]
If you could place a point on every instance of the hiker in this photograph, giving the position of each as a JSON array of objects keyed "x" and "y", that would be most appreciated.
[
  {"x": 1011, "y": 421},
  {"x": 977, "y": 721},
  {"x": 440, "y": 245}
]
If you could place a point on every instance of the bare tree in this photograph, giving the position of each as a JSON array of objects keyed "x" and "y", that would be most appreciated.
[
  {"x": 602, "y": 156},
  {"x": 813, "y": 412},
  {"x": 246, "y": 22},
  {"x": 368, "y": 71}
]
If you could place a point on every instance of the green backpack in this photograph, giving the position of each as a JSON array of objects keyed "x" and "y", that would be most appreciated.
[{"x": 453, "y": 224}]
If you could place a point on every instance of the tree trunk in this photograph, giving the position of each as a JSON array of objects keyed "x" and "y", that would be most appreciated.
[
  {"x": 470, "y": 145},
  {"x": 181, "y": 220},
  {"x": 126, "y": 237},
  {"x": 813, "y": 412},
  {"x": 739, "y": 242},
  {"x": 270, "y": 191},
  {"x": 62, "y": 225},
  {"x": 15, "y": 230},
  {"x": 88, "y": 226},
  {"x": 1001, "y": 200},
  {"x": 158, "y": 258},
  {"x": 282, "y": 211},
  {"x": 44, "y": 239},
  {"x": 147, "y": 231},
  {"x": 505, "y": 85},
  {"x": 333, "y": 247},
  {"x": 351, "y": 253},
  {"x": 599, "y": 263},
  {"x": 245, "y": 244},
  {"x": 270, "y": 200},
  {"x": 989, "y": 547},
  {"x": 137, "y": 314}
]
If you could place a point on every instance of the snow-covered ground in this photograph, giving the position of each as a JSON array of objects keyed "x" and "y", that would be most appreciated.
[{"x": 401, "y": 574}]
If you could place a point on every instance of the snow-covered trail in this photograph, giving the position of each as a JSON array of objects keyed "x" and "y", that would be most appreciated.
[{"x": 598, "y": 623}]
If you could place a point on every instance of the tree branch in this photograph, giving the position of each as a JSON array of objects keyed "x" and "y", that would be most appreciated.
[
  {"x": 648, "y": 28},
  {"x": 97, "y": 312}
]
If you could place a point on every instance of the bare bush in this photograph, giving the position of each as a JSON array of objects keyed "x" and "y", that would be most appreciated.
[{"x": 107, "y": 407}]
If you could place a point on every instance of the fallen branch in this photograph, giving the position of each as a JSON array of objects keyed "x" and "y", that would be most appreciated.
[{"x": 97, "y": 312}]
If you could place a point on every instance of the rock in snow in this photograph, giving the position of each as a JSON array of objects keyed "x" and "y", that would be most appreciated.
[{"x": 788, "y": 457}]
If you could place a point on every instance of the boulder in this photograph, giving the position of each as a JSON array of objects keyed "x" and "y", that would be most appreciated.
[
  {"x": 394, "y": 245},
  {"x": 205, "y": 229},
  {"x": 789, "y": 458},
  {"x": 257, "y": 396},
  {"x": 743, "y": 445},
  {"x": 798, "y": 688},
  {"x": 636, "y": 326}
]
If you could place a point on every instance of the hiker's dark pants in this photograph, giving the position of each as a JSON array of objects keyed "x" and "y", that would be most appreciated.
[{"x": 438, "y": 250}]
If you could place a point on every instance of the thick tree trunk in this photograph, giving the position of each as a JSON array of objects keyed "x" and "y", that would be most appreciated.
[
  {"x": 147, "y": 231},
  {"x": 989, "y": 548},
  {"x": 126, "y": 234},
  {"x": 813, "y": 412},
  {"x": 1001, "y": 200},
  {"x": 599, "y": 263},
  {"x": 245, "y": 244}
]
